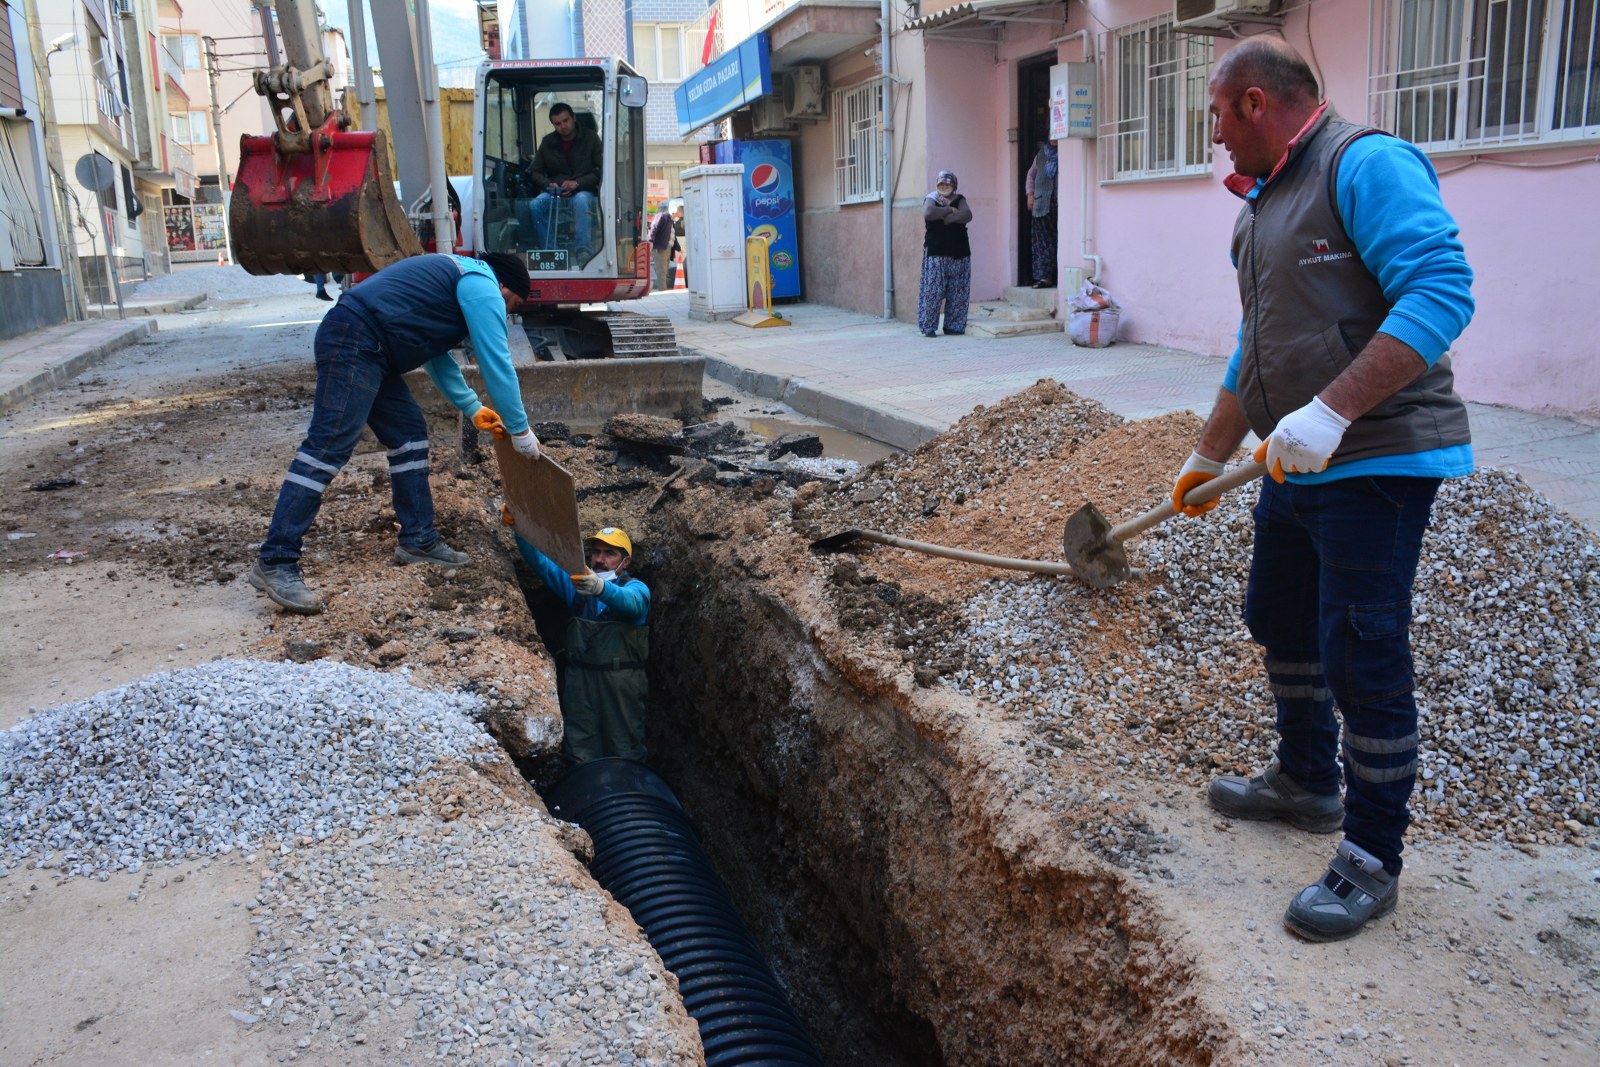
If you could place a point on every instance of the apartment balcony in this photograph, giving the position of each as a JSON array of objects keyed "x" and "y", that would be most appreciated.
[
  {"x": 173, "y": 170},
  {"x": 115, "y": 117}
]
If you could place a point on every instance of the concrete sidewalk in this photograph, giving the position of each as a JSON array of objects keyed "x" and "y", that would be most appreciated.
[
  {"x": 44, "y": 359},
  {"x": 886, "y": 381}
]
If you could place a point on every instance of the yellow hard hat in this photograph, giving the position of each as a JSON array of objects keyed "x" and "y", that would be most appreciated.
[{"x": 613, "y": 536}]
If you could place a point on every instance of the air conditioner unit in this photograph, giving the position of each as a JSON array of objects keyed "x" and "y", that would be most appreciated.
[
  {"x": 767, "y": 115},
  {"x": 802, "y": 93},
  {"x": 1212, "y": 14},
  {"x": 123, "y": 8}
]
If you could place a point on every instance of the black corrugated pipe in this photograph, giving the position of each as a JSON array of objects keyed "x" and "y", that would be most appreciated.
[{"x": 648, "y": 856}]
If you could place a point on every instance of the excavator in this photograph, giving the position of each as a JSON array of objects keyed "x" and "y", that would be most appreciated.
[{"x": 317, "y": 196}]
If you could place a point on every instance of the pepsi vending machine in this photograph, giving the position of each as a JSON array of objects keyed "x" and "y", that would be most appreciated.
[{"x": 769, "y": 206}]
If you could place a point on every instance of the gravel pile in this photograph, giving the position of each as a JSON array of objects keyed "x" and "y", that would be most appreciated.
[
  {"x": 221, "y": 283},
  {"x": 1163, "y": 677},
  {"x": 457, "y": 941},
  {"x": 224, "y": 756}
]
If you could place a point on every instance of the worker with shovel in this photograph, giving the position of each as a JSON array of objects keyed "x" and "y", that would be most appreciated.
[
  {"x": 603, "y": 686},
  {"x": 408, "y": 315},
  {"x": 1353, "y": 283}
]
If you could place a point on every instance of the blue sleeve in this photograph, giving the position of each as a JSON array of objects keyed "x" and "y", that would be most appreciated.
[
  {"x": 446, "y": 375},
  {"x": 1389, "y": 202},
  {"x": 1230, "y": 377},
  {"x": 628, "y": 603},
  {"x": 485, "y": 311},
  {"x": 559, "y": 581}
]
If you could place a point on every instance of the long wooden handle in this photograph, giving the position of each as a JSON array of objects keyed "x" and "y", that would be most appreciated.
[
  {"x": 927, "y": 549},
  {"x": 1207, "y": 490}
]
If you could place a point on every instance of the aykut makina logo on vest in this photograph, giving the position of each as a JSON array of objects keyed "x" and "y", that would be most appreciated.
[{"x": 1320, "y": 253}]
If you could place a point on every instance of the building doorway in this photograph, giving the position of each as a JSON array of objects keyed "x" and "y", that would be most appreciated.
[{"x": 1033, "y": 129}]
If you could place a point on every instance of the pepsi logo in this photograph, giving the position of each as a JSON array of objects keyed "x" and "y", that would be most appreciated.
[{"x": 765, "y": 178}]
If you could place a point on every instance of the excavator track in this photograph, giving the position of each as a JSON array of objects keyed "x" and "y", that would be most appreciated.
[
  {"x": 602, "y": 334},
  {"x": 635, "y": 335}
]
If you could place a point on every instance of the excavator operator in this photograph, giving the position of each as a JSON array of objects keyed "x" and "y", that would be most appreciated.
[
  {"x": 566, "y": 173},
  {"x": 408, "y": 315}
]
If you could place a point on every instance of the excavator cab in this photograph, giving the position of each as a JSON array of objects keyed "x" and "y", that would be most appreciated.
[{"x": 581, "y": 245}]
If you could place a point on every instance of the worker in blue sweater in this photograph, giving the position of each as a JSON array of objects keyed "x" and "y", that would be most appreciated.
[
  {"x": 408, "y": 315},
  {"x": 603, "y": 685},
  {"x": 1354, "y": 284}
]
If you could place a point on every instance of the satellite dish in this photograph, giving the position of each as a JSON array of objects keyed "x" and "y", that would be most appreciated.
[{"x": 95, "y": 173}]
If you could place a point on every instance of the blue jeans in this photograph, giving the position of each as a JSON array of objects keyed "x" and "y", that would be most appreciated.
[
  {"x": 355, "y": 386},
  {"x": 574, "y": 217},
  {"x": 1329, "y": 601}
]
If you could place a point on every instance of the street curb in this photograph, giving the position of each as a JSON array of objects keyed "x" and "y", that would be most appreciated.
[
  {"x": 847, "y": 411},
  {"x": 63, "y": 371},
  {"x": 148, "y": 307}
]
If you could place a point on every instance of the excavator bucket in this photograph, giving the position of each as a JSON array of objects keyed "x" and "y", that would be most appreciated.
[{"x": 317, "y": 203}]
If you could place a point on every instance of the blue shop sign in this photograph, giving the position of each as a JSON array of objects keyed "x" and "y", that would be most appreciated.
[{"x": 738, "y": 77}]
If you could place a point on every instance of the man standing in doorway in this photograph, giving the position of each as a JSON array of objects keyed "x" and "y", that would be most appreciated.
[{"x": 1353, "y": 283}]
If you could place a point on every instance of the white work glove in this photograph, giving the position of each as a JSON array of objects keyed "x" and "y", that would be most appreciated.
[
  {"x": 526, "y": 444},
  {"x": 1196, "y": 469},
  {"x": 1303, "y": 441},
  {"x": 589, "y": 582}
]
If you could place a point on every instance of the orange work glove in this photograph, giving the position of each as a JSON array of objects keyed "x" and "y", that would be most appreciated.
[
  {"x": 488, "y": 420},
  {"x": 1196, "y": 470},
  {"x": 505, "y": 516}
]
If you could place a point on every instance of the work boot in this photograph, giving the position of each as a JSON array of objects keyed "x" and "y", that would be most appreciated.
[
  {"x": 1354, "y": 891},
  {"x": 439, "y": 554},
  {"x": 1274, "y": 795},
  {"x": 284, "y": 586}
]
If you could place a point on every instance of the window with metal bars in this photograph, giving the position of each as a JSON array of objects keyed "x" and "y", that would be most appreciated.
[
  {"x": 1476, "y": 73},
  {"x": 857, "y": 144},
  {"x": 1155, "y": 85}
]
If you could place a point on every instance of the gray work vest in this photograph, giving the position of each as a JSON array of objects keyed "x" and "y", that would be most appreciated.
[{"x": 1311, "y": 306}]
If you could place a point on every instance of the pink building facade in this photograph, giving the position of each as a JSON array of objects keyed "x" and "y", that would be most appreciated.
[{"x": 1506, "y": 103}]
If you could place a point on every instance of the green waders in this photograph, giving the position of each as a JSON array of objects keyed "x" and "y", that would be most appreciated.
[{"x": 603, "y": 697}]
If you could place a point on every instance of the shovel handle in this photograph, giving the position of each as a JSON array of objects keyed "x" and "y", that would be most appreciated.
[
  {"x": 1206, "y": 490},
  {"x": 965, "y": 555}
]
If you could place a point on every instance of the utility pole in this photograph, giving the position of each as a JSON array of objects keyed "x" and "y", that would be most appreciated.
[{"x": 216, "y": 139}]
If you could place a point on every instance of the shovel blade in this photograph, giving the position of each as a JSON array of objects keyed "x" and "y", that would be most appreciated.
[{"x": 1089, "y": 548}]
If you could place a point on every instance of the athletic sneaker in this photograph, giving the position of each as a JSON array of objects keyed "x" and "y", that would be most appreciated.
[{"x": 1274, "y": 795}]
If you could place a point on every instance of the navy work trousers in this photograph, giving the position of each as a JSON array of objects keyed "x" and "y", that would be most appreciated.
[
  {"x": 1329, "y": 601},
  {"x": 355, "y": 386}
]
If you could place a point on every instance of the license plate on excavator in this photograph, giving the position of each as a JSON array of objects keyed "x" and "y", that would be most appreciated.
[{"x": 547, "y": 259}]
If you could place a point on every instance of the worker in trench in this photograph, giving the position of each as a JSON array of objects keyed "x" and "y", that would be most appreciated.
[
  {"x": 1354, "y": 283},
  {"x": 603, "y": 685},
  {"x": 410, "y": 314}
]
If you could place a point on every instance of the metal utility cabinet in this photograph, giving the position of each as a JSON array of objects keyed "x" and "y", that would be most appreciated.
[{"x": 714, "y": 225}]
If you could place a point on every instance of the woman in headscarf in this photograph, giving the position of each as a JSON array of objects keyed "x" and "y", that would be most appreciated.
[
  {"x": 1041, "y": 189},
  {"x": 946, "y": 259}
]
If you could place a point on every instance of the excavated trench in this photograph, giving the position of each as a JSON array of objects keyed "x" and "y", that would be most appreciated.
[{"x": 862, "y": 826}]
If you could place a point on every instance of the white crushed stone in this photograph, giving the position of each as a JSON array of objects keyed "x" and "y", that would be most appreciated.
[
  {"x": 1505, "y": 637},
  {"x": 223, "y": 756}
]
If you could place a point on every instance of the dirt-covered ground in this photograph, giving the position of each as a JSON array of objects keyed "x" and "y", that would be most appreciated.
[{"x": 1105, "y": 711}]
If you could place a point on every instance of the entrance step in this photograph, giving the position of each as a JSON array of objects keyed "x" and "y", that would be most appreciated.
[
  {"x": 999, "y": 318},
  {"x": 1044, "y": 299}
]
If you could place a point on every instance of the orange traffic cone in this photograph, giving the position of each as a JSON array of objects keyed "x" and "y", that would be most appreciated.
[{"x": 220, "y": 261}]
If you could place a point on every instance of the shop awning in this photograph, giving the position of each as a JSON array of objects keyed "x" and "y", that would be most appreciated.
[{"x": 977, "y": 18}]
